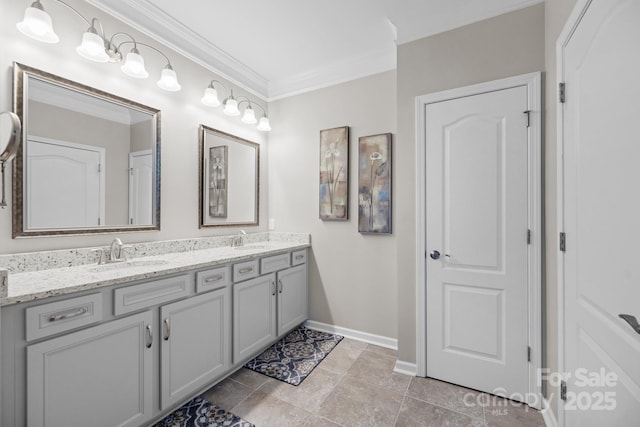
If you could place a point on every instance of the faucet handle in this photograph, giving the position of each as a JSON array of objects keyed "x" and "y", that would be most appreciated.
[{"x": 101, "y": 255}]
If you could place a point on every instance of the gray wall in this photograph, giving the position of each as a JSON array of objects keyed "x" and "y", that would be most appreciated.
[
  {"x": 499, "y": 47},
  {"x": 181, "y": 112},
  {"x": 352, "y": 276}
]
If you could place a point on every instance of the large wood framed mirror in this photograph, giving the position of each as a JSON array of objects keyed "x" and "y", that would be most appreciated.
[
  {"x": 88, "y": 162},
  {"x": 229, "y": 180}
]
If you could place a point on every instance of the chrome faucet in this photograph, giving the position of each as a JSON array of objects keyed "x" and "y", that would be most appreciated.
[
  {"x": 238, "y": 239},
  {"x": 115, "y": 251}
]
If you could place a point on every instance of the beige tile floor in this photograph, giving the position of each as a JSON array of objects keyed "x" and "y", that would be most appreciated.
[{"x": 356, "y": 386}]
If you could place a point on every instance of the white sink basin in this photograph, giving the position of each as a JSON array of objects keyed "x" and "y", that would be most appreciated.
[{"x": 128, "y": 264}]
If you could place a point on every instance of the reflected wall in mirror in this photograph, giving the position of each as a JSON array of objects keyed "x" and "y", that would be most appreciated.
[
  {"x": 89, "y": 161},
  {"x": 229, "y": 177}
]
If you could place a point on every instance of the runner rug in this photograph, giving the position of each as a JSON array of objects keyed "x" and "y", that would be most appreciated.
[
  {"x": 201, "y": 413},
  {"x": 294, "y": 357}
]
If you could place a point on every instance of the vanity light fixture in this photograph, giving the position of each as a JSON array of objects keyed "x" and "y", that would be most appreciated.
[
  {"x": 37, "y": 24},
  {"x": 93, "y": 45},
  {"x": 232, "y": 106}
]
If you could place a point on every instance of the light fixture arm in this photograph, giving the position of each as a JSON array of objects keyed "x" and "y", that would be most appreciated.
[
  {"x": 251, "y": 103},
  {"x": 212, "y": 86},
  {"x": 135, "y": 46}
]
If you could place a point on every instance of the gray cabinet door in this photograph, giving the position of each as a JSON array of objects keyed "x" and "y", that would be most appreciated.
[
  {"x": 100, "y": 376},
  {"x": 292, "y": 298},
  {"x": 195, "y": 344},
  {"x": 254, "y": 315}
]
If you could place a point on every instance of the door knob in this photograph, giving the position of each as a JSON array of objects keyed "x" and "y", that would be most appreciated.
[
  {"x": 632, "y": 321},
  {"x": 434, "y": 254}
]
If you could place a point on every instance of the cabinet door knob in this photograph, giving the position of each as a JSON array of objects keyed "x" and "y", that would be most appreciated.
[
  {"x": 280, "y": 286},
  {"x": 273, "y": 288}
]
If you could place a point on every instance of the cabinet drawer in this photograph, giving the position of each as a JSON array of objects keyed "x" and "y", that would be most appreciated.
[
  {"x": 136, "y": 297},
  {"x": 299, "y": 257},
  {"x": 48, "y": 319},
  {"x": 245, "y": 270},
  {"x": 274, "y": 263},
  {"x": 213, "y": 279}
]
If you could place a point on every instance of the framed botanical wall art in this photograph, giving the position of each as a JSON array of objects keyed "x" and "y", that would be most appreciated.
[
  {"x": 218, "y": 164},
  {"x": 374, "y": 184},
  {"x": 334, "y": 173}
]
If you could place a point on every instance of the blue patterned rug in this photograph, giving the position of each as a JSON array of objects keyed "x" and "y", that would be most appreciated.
[
  {"x": 294, "y": 357},
  {"x": 201, "y": 413}
]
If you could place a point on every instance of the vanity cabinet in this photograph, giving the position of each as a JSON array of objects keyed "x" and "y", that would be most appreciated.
[
  {"x": 254, "y": 316},
  {"x": 195, "y": 347},
  {"x": 99, "y": 375},
  {"x": 128, "y": 354},
  {"x": 268, "y": 307},
  {"x": 292, "y": 298}
]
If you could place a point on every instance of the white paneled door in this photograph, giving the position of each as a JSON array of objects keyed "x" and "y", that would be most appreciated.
[
  {"x": 599, "y": 214},
  {"x": 65, "y": 184},
  {"x": 477, "y": 233},
  {"x": 141, "y": 187}
]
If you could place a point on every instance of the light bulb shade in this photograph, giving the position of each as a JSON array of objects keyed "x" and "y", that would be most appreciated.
[
  {"x": 92, "y": 47},
  {"x": 37, "y": 25},
  {"x": 169, "y": 80},
  {"x": 231, "y": 107},
  {"x": 134, "y": 66},
  {"x": 264, "y": 124},
  {"x": 249, "y": 116},
  {"x": 210, "y": 97}
]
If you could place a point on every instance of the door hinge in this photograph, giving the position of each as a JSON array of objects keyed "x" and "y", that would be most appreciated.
[
  {"x": 563, "y": 242},
  {"x": 131, "y": 171},
  {"x": 562, "y": 95},
  {"x": 98, "y": 221},
  {"x": 131, "y": 221},
  {"x": 563, "y": 390},
  {"x": 99, "y": 167},
  {"x": 528, "y": 113},
  {"x": 528, "y": 237},
  {"x": 528, "y": 354}
]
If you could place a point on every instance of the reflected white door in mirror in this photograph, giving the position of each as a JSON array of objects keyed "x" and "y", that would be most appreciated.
[{"x": 87, "y": 161}]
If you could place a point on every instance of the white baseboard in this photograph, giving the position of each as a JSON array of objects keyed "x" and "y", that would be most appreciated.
[
  {"x": 379, "y": 340},
  {"x": 547, "y": 414},
  {"x": 405, "y": 368}
]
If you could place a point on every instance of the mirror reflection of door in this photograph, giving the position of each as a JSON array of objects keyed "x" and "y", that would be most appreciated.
[
  {"x": 140, "y": 185},
  {"x": 65, "y": 184}
]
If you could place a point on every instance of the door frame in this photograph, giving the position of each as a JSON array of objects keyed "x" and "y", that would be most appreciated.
[
  {"x": 570, "y": 26},
  {"x": 533, "y": 82}
]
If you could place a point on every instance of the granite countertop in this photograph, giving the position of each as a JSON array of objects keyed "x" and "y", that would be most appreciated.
[{"x": 22, "y": 286}]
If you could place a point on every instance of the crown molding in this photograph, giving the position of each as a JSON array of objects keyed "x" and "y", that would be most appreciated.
[
  {"x": 154, "y": 22},
  {"x": 374, "y": 62},
  {"x": 56, "y": 96}
]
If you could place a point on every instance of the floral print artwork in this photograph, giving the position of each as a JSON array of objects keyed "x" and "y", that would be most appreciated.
[
  {"x": 334, "y": 173},
  {"x": 374, "y": 184},
  {"x": 218, "y": 181}
]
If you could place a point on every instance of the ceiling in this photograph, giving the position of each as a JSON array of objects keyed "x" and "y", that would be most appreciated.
[{"x": 277, "y": 48}]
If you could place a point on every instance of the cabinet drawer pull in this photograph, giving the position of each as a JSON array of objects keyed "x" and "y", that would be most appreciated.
[
  {"x": 299, "y": 256},
  {"x": 213, "y": 279},
  {"x": 68, "y": 315},
  {"x": 149, "y": 336},
  {"x": 280, "y": 286},
  {"x": 167, "y": 329},
  {"x": 245, "y": 270},
  {"x": 273, "y": 288}
]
